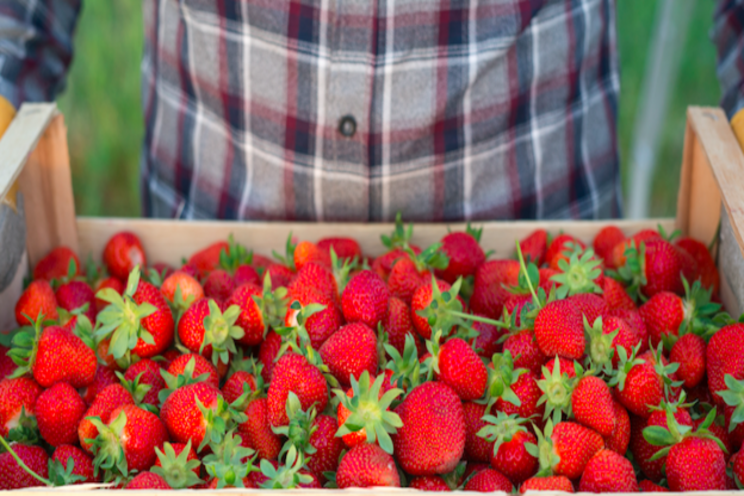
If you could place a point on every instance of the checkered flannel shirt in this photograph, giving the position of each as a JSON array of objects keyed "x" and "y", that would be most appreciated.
[{"x": 352, "y": 110}]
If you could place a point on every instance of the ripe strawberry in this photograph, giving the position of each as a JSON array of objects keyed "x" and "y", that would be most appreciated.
[
  {"x": 306, "y": 252},
  {"x": 122, "y": 253},
  {"x": 615, "y": 296},
  {"x": 488, "y": 340},
  {"x": 251, "y": 319},
  {"x": 7, "y": 365},
  {"x": 343, "y": 247},
  {"x": 489, "y": 286},
  {"x": 723, "y": 357},
  {"x": 205, "y": 329},
  {"x": 178, "y": 465},
  {"x": 459, "y": 367},
  {"x": 294, "y": 373},
  {"x": 707, "y": 271},
  {"x": 720, "y": 432},
  {"x": 608, "y": 472},
  {"x": 550, "y": 483},
  {"x": 147, "y": 481},
  {"x": 181, "y": 365},
  {"x": 509, "y": 439},
  {"x": 111, "y": 283},
  {"x": 327, "y": 446},
  {"x": 183, "y": 416},
  {"x": 696, "y": 464},
  {"x": 73, "y": 295},
  {"x": 208, "y": 259},
  {"x": 219, "y": 285},
  {"x": 281, "y": 275},
  {"x": 145, "y": 381},
  {"x": 367, "y": 465},
  {"x": 642, "y": 450},
  {"x": 82, "y": 463},
  {"x": 405, "y": 277},
  {"x": 106, "y": 402},
  {"x": 592, "y": 405},
  {"x": 350, "y": 351},
  {"x": 421, "y": 299},
  {"x": 257, "y": 433},
  {"x": 689, "y": 353},
  {"x": 16, "y": 396},
  {"x": 59, "y": 410},
  {"x": 620, "y": 437},
  {"x": 268, "y": 354},
  {"x": 558, "y": 249},
  {"x": 477, "y": 448},
  {"x": 398, "y": 324},
  {"x": 489, "y": 480},
  {"x": 619, "y": 251},
  {"x": 37, "y": 299},
  {"x": 535, "y": 246},
  {"x": 605, "y": 337},
  {"x": 663, "y": 314},
  {"x": 574, "y": 444},
  {"x": 316, "y": 276},
  {"x": 432, "y": 439},
  {"x": 605, "y": 240},
  {"x": 464, "y": 252},
  {"x": 647, "y": 486},
  {"x": 12, "y": 476},
  {"x": 238, "y": 383},
  {"x": 523, "y": 346},
  {"x": 559, "y": 330},
  {"x": 636, "y": 323},
  {"x": 56, "y": 264},
  {"x": 429, "y": 483},
  {"x": 662, "y": 267},
  {"x": 246, "y": 274},
  {"x": 641, "y": 381},
  {"x": 590, "y": 305},
  {"x": 365, "y": 299},
  {"x": 188, "y": 288},
  {"x": 321, "y": 324}
]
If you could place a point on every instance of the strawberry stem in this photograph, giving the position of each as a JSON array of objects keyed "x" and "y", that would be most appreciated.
[
  {"x": 21, "y": 464},
  {"x": 478, "y": 318},
  {"x": 523, "y": 268}
]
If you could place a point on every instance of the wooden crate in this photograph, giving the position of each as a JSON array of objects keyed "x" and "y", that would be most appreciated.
[{"x": 34, "y": 153}]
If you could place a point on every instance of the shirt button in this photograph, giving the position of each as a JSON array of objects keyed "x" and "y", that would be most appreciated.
[{"x": 347, "y": 126}]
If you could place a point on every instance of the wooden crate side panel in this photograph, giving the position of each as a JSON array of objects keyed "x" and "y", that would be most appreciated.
[{"x": 168, "y": 241}]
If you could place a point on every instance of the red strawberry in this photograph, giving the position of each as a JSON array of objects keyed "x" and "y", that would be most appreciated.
[
  {"x": 320, "y": 325},
  {"x": 398, "y": 324},
  {"x": 343, "y": 247},
  {"x": 294, "y": 373},
  {"x": 56, "y": 264},
  {"x": 316, "y": 276},
  {"x": 16, "y": 396},
  {"x": 429, "y": 483},
  {"x": 523, "y": 346},
  {"x": 477, "y": 449},
  {"x": 559, "y": 330},
  {"x": 601, "y": 344},
  {"x": 280, "y": 275},
  {"x": 550, "y": 483},
  {"x": 642, "y": 450},
  {"x": 689, "y": 353},
  {"x": 646, "y": 486},
  {"x": 131, "y": 432},
  {"x": 82, "y": 463},
  {"x": 73, "y": 295},
  {"x": 142, "y": 375},
  {"x": 256, "y": 431},
  {"x": 208, "y": 259},
  {"x": 592, "y": 405},
  {"x": 464, "y": 252},
  {"x": 104, "y": 377},
  {"x": 7, "y": 366},
  {"x": 122, "y": 253},
  {"x": 575, "y": 445},
  {"x": 189, "y": 288},
  {"x": 605, "y": 240},
  {"x": 306, "y": 252},
  {"x": 590, "y": 305},
  {"x": 662, "y": 268},
  {"x": 201, "y": 366},
  {"x": 147, "y": 481},
  {"x": 724, "y": 357},
  {"x": 432, "y": 439},
  {"x": 489, "y": 480},
  {"x": 251, "y": 319},
  {"x": 488, "y": 341},
  {"x": 349, "y": 352},
  {"x": 268, "y": 354},
  {"x": 719, "y": 431},
  {"x": 205, "y": 329},
  {"x": 219, "y": 285},
  {"x": 615, "y": 296},
  {"x": 459, "y": 367},
  {"x": 707, "y": 271},
  {"x": 535, "y": 246},
  {"x": 608, "y": 472},
  {"x": 558, "y": 249},
  {"x": 182, "y": 415},
  {"x": 327, "y": 446},
  {"x": 619, "y": 255},
  {"x": 641, "y": 382},
  {"x": 12, "y": 476},
  {"x": 636, "y": 323},
  {"x": 510, "y": 439},
  {"x": 528, "y": 392},
  {"x": 365, "y": 299},
  {"x": 421, "y": 299},
  {"x": 620, "y": 437},
  {"x": 106, "y": 402},
  {"x": 696, "y": 464},
  {"x": 59, "y": 410},
  {"x": 38, "y": 299},
  {"x": 367, "y": 465},
  {"x": 405, "y": 277},
  {"x": 489, "y": 293},
  {"x": 236, "y": 384},
  {"x": 246, "y": 274},
  {"x": 663, "y": 314}
]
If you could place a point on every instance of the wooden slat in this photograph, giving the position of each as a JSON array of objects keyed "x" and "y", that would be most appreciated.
[{"x": 168, "y": 241}]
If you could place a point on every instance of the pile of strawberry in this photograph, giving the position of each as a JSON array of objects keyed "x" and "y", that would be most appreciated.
[{"x": 608, "y": 368}]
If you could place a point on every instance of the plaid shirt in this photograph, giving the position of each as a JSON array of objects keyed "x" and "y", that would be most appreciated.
[{"x": 352, "y": 110}]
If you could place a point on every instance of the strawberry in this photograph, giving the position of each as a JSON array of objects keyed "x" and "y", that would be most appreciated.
[
  {"x": 608, "y": 472},
  {"x": 59, "y": 410},
  {"x": 316, "y": 276},
  {"x": 365, "y": 299},
  {"x": 139, "y": 322},
  {"x": 592, "y": 405},
  {"x": 268, "y": 353},
  {"x": 464, "y": 252},
  {"x": 550, "y": 483},
  {"x": 636, "y": 323},
  {"x": 405, "y": 277},
  {"x": 559, "y": 330},
  {"x": 327, "y": 446},
  {"x": 145, "y": 381},
  {"x": 208, "y": 259},
  {"x": 707, "y": 271},
  {"x": 147, "y": 481},
  {"x": 477, "y": 449},
  {"x": 689, "y": 353},
  {"x": 620, "y": 437},
  {"x": 82, "y": 463},
  {"x": 489, "y": 286},
  {"x": 54, "y": 355},
  {"x": 17, "y": 396},
  {"x": 281, "y": 275},
  {"x": 652, "y": 268},
  {"x": 605, "y": 337},
  {"x": 523, "y": 346},
  {"x": 535, "y": 246},
  {"x": 489, "y": 480},
  {"x": 422, "y": 298},
  {"x": 183, "y": 416},
  {"x": 57, "y": 264},
  {"x": 111, "y": 283},
  {"x": 488, "y": 340},
  {"x": 509, "y": 453},
  {"x": 398, "y": 324},
  {"x": 306, "y": 252},
  {"x": 719, "y": 431},
  {"x": 737, "y": 468},
  {"x": 219, "y": 285},
  {"x": 526, "y": 396},
  {"x": 642, "y": 450},
  {"x": 178, "y": 465},
  {"x": 569, "y": 447},
  {"x": 7, "y": 365},
  {"x": 620, "y": 251},
  {"x": 560, "y": 248},
  {"x": 605, "y": 240},
  {"x": 205, "y": 329},
  {"x": 251, "y": 318},
  {"x": 37, "y": 299},
  {"x": 343, "y": 247},
  {"x": 108, "y": 400},
  {"x": 663, "y": 314},
  {"x": 182, "y": 290},
  {"x": 246, "y": 274},
  {"x": 432, "y": 438},
  {"x": 323, "y": 322},
  {"x": 74, "y": 295},
  {"x": 723, "y": 357},
  {"x": 458, "y": 366},
  {"x": 122, "y": 254},
  {"x": 183, "y": 366},
  {"x": 641, "y": 381},
  {"x": 615, "y": 296},
  {"x": 350, "y": 351},
  {"x": 242, "y": 381},
  {"x": 429, "y": 483},
  {"x": 589, "y": 305},
  {"x": 294, "y": 373},
  {"x": 367, "y": 465},
  {"x": 257, "y": 433},
  {"x": 12, "y": 476}
]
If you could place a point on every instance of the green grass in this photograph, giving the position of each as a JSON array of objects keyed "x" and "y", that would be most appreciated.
[{"x": 102, "y": 101}]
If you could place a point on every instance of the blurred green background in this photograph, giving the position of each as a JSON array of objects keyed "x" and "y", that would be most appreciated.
[{"x": 102, "y": 101}]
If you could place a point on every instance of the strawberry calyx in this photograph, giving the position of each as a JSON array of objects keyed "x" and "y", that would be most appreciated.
[
  {"x": 177, "y": 470},
  {"x": 235, "y": 256},
  {"x": 557, "y": 388},
  {"x": 138, "y": 390},
  {"x": 286, "y": 476},
  {"x": 665, "y": 372},
  {"x": 288, "y": 258},
  {"x": 430, "y": 365},
  {"x": 272, "y": 304},
  {"x": 72, "y": 275},
  {"x": 429, "y": 259},
  {"x": 300, "y": 427},
  {"x": 405, "y": 369},
  {"x": 230, "y": 462},
  {"x": 624, "y": 366},
  {"x": 733, "y": 396},
  {"x": 221, "y": 332},
  {"x": 314, "y": 358},
  {"x": 546, "y": 456},
  {"x": 122, "y": 319},
  {"x": 218, "y": 421},
  {"x": 633, "y": 273},
  {"x": 107, "y": 447},
  {"x": 400, "y": 236},
  {"x": 674, "y": 433},
  {"x": 296, "y": 338},
  {"x": 369, "y": 410},
  {"x": 699, "y": 314},
  {"x": 180, "y": 304},
  {"x": 600, "y": 350},
  {"x": 579, "y": 273},
  {"x": 62, "y": 475},
  {"x": 501, "y": 377},
  {"x": 501, "y": 429},
  {"x": 25, "y": 346},
  {"x": 173, "y": 382},
  {"x": 25, "y": 432},
  {"x": 341, "y": 268},
  {"x": 253, "y": 367}
]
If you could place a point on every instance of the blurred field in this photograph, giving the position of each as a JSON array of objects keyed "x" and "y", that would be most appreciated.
[{"x": 102, "y": 102}]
